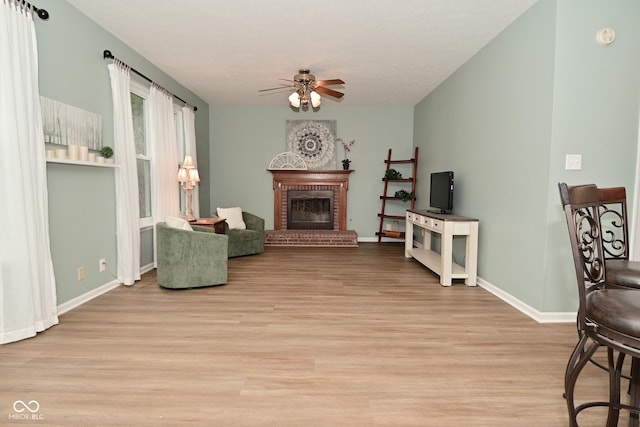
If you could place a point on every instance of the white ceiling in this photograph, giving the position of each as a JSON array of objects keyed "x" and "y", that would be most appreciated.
[{"x": 389, "y": 53}]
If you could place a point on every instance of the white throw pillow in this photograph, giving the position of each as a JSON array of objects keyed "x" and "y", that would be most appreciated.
[
  {"x": 233, "y": 217},
  {"x": 179, "y": 223}
]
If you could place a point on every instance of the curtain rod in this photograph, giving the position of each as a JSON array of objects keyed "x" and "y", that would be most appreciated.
[
  {"x": 42, "y": 13},
  {"x": 108, "y": 55}
]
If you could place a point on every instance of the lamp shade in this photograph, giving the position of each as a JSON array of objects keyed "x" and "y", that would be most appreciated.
[
  {"x": 315, "y": 98},
  {"x": 294, "y": 99},
  {"x": 183, "y": 176},
  {"x": 188, "y": 162},
  {"x": 193, "y": 175}
]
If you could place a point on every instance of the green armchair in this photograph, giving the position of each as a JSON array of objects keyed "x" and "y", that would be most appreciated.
[
  {"x": 191, "y": 259},
  {"x": 249, "y": 241}
]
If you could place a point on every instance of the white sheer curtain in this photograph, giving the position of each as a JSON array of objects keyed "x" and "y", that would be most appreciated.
[
  {"x": 127, "y": 206},
  {"x": 163, "y": 138},
  {"x": 189, "y": 124},
  {"x": 27, "y": 283}
]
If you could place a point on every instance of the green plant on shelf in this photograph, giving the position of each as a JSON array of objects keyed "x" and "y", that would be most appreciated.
[
  {"x": 392, "y": 174},
  {"x": 107, "y": 152},
  {"x": 404, "y": 195}
]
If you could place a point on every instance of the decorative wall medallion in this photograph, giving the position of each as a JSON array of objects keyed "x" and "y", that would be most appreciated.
[
  {"x": 288, "y": 160},
  {"x": 314, "y": 141}
]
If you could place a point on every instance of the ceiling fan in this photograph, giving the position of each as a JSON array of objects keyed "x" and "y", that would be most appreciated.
[{"x": 307, "y": 89}]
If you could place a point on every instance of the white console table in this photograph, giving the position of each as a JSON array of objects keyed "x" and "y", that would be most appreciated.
[{"x": 447, "y": 225}]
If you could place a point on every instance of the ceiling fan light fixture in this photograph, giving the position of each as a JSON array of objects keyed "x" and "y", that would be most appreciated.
[
  {"x": 294, "y": 99},
  {"x": 308, "y": 90},
  {"x": 315, "y": 99}
]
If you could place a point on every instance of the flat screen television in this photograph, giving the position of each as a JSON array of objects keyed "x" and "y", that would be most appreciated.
[{"x": 441, "y": 192}]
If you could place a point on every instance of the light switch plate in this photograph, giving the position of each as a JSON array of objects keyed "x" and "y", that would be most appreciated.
[{"x": 573, "y": 162}]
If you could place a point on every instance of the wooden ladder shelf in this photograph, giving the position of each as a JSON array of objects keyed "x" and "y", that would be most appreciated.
[{"x": 396, "y": 219}]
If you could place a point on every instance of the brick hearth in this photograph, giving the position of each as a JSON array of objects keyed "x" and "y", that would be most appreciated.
[{"x": 336, "y": 238}]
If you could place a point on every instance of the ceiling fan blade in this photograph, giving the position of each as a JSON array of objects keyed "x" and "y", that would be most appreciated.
[
  {"x": 329, "y": 82},
  {"x": 276, "y": 88},
  {"x": 330, "y": 92}
]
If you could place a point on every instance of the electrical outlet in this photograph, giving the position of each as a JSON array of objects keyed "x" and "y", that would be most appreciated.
[
  {"x": 102, "y": 265},
  {"x": 80, "y": 273}
]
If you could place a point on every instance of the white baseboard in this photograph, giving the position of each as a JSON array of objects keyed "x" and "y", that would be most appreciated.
[
  {"x": 79, "y": 300},
  {"x": 538, "y": 316},
  {"x": 146, "y": 268}
]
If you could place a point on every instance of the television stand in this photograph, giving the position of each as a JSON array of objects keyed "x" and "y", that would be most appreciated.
[{"x": 447, "y": 225}]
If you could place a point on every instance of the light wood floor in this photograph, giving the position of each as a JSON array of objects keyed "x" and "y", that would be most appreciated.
[{"x": 298, "y": 337}]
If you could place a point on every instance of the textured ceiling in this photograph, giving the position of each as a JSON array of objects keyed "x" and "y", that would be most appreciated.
[{"x": 387, "y": 52}]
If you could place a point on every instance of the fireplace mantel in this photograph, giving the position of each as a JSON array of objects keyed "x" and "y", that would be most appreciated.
[
  {"x": 310, "y": 177},
  {"x": 286, "y": 179}
]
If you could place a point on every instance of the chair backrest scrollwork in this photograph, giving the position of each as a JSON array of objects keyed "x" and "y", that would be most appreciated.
[
  {"x": 581, "y": 204},
  {"x": 613, "y": 222}
]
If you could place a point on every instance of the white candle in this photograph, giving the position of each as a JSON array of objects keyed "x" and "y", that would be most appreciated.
[
  {"x": 73, "y": 152},
  {"x": 84, "y": 153}
]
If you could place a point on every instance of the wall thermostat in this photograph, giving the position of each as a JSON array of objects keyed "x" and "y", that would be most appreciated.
[{"x": 605, "y": 36}]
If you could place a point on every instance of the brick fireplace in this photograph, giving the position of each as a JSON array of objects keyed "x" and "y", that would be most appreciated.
[{"x": 306, "y": 191}]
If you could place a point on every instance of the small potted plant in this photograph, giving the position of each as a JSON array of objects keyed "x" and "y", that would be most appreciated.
[
  {"x": 403, "y": 195},
  {"x": 347, "y": 148},
  {"x": 392, "y": 174},
  {"x": 107, "y": 153}
]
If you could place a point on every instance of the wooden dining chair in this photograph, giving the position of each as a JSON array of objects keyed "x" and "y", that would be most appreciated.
[
  {"x": 608, "y": 316},
  {"x": 621, "y": 272}
]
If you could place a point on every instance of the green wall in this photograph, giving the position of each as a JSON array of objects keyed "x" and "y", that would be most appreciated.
[
  {"x": 82, "y": 226},
  {"x": 505, "y": 121},
  {"x": 595, "y": 113},
  {"x": 82, "y": 198},
  {"x": 245, "y": 139}
]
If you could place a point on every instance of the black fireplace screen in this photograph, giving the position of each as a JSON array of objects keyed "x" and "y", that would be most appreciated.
[{"x": 309, "y": 210}]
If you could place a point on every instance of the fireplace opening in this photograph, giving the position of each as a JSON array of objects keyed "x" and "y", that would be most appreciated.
[{"x": 310, "y": 210}]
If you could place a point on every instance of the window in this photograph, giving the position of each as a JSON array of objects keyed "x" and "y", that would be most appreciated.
[
  {"x": 144, "y": 150},
  {"x": 143, "y": 157}
]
